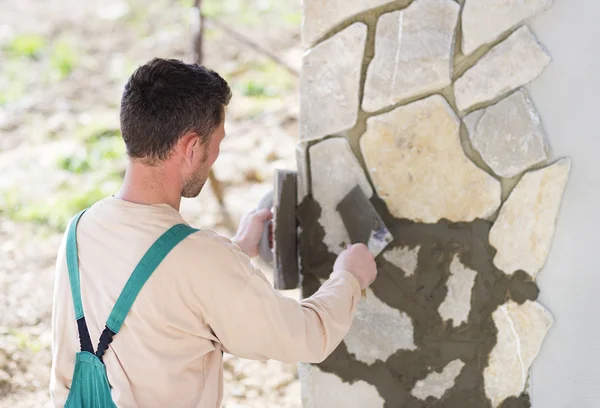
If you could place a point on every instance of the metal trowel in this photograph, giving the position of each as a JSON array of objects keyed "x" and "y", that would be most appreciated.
[
  {"x": 363, "y": 223},
  {"x": 278, "y": 246}
]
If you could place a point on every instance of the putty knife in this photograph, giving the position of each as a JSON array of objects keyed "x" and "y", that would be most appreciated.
[{"x": 363, "y": 223}]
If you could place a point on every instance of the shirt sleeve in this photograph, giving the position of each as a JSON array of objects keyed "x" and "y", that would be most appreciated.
[
  {"x": 255, "y": 321},
  {"x": 63, "y": 343}
]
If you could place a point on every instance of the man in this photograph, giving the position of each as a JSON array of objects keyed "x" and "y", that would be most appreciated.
[{"x": 206, "y": 296}]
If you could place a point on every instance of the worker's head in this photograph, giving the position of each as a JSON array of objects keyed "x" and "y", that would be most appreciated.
[{"x": 172, "y": 116}]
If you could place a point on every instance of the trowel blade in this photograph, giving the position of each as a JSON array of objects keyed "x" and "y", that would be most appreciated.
[
  {"x": 362, "y": 222},
  {"x": 285, "y": 245},
  {"x": 278, "y": 245}
]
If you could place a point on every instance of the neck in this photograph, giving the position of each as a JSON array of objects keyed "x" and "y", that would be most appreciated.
[{"x": 149, "y": 185}]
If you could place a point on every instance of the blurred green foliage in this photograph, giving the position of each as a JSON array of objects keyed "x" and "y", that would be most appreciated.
[
  {"x": 293, "y": 19},
  {"x": 261, "y": 79},
  {"x": 26, "y": 45},
  {"x": 252, "y": 88},
  {"x": 23, "y": 56},
  {"x": 96, "y": 169},
  {"x": 57, "y": 209},
  {"x": 63, "y": 59},
  {"x": 27, "y": 341},
  {"x": 12, "y": 82},
  {"x": 246, "y": 12}
]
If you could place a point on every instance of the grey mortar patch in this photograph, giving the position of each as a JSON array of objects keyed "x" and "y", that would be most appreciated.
[{"x": 419, "y": 296}]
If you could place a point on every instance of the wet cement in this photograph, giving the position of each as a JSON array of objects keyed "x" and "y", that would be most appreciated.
[
  {"x": 438, "y": 342},
  {"x": 315, "y": 259}
]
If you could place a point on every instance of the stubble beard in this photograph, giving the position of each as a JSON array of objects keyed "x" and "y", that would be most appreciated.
[{"x": 194, "y": 185}]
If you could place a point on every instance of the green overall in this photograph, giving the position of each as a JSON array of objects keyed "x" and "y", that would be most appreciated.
[{"x": 90, "y": 387}]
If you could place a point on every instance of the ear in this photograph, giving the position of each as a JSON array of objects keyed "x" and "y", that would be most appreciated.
[{"x": 189, "y": 144}]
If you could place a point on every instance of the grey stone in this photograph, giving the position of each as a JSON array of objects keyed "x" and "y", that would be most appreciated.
[
  {"x": 509, "y": 65},
  {"x": 413, "y": 53},
  {"x": 521, "y": 331},
  {"x": 335, "y": 171},
  {"x": 373, "y": 317},
  {"x": 418, "y": 166},
  {"x": 404, "y": 258},
  {"x": 484, "y": 21},
  {"x": 436, "y": 384},
  {"x": 457, "y": 304},
  {"x": 320, "y": 16},
  {"x": 321, "y": 389},
  {"x": 330, "y": 82},
  {"x": 509, "y": 135},
  {"x": 523, "y": 232}
]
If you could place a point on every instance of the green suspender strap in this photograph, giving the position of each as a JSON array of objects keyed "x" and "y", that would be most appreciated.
[
  {"x": 149, "y": 262},
  {"x": 73, "y": 268},
  {"x": 90, "y": 387}
]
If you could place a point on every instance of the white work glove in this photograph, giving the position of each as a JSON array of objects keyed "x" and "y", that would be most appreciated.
[{"x": 250, "y": 230}]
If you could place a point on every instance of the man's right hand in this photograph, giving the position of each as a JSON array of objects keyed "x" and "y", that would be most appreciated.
[{"x": 359, "y": 261}]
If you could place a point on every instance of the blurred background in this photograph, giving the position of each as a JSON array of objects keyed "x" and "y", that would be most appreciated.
[{"x": 63, "y": 64}]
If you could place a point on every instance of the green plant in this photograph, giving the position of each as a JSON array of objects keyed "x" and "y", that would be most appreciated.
[
  {"x": 213, "y": 8},
  {"x": 13, "y": 79},
  {"x": 252, "y": 88},
  {"x": 101, "y": 151},
  {"x": 77, "y": 163},
  {"x": 264, "y": 79},
  {"x": 26, "y": 45},
  {"x": 15, "y": 88},
  {"x": 57, "y": 210},
  {"x": 63, "y": 59},
  {"x": 94, "y": 169},
  {"x": 293, "y": 19},
  {"x": 27, "y": 341}
]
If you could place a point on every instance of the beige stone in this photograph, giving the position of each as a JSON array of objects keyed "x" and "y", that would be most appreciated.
[
  {"x": 335, "y": 171},
  {"x": 436, "y": 384},
  {"x": 509, "y": 65},
  {"x": 413, "y": 53},
  {"x": 373, "y": 317},
  {"x": 523, "y": 232},
  {"x": 521, "y": 331},
  {"x": 404, "y": 258},
  {"x": 418, "y": 167},
  {"x": 509, "y": 135},
  {"x": 321, "y": 389},
  {"x": 319, "y": 16},
  {"x": 330, "y": 82},
  {"x": 457, "y": 304},
  {"x": 483, "y": 21}
]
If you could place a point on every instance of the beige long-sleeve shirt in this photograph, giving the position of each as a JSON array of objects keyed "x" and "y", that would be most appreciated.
[{"x": 206, "y": 296}]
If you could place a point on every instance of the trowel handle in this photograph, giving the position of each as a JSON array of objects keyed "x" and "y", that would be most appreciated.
[{"x": 264, "y": 246}]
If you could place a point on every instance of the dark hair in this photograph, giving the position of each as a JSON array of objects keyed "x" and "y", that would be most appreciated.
[{"x": 165, "y": 99}]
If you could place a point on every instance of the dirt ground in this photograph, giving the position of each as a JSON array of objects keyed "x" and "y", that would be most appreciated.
[{"x": 62, "y": 67}]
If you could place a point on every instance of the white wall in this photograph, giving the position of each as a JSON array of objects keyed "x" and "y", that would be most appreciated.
[{"x": 567, "y": 372}]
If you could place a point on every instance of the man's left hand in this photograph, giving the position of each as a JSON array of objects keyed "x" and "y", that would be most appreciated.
[{"x": 250, "y": 231}]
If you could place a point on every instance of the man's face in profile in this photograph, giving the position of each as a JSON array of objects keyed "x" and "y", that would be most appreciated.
[{"x": 207, "y": 156}]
